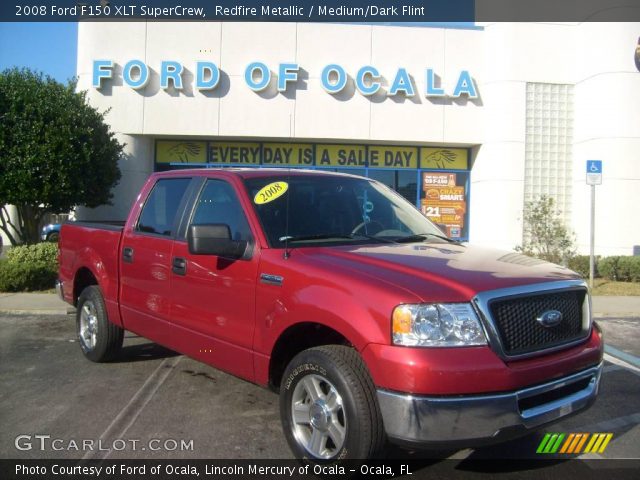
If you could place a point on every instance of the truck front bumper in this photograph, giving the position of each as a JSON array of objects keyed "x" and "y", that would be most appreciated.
[{"x": 484, "y": 419}]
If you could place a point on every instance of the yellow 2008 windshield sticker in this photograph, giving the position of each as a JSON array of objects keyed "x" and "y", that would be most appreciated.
[{"x": 270, "y": 192}]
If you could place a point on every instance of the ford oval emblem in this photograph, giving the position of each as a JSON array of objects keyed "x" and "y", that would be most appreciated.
[{"x": 550, "y": 318}]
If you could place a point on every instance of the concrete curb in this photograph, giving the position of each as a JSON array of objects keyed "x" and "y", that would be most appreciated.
[
  {"x": 616, "y": 315},
  {"x": 31, "y": 303},
  {"x": 35, "y": 311}
]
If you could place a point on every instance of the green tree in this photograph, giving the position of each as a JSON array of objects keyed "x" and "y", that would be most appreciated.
[
  {"x": 545, "y": 235},
  {"x": 56, "y": 152}
]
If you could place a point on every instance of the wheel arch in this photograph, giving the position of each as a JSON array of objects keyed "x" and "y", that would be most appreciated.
[
  {"x": 297, "y": 338},
  {"x": 86, "y": 277},
  {"x": 83, "y": 278}
]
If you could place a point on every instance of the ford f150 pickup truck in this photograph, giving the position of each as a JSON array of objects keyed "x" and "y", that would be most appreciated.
[{"x": 341, "y": 295}]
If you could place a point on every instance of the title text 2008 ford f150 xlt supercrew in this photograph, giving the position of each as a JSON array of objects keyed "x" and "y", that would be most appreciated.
[{"x": 333, "y": 289}]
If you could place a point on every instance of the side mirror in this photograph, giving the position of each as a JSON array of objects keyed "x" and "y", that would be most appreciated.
[{"x": 214, "y": 239}]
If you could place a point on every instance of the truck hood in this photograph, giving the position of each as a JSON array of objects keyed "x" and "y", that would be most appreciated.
[{"x": 439, "y": 271}]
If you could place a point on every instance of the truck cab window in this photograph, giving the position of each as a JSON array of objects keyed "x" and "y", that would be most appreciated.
[
  {"x": 218, "y": 203},
  {"x": 159, "y": 212}
]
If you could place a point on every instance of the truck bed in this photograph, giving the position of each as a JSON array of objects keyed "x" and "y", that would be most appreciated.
[{"x": 93, "y": 246}]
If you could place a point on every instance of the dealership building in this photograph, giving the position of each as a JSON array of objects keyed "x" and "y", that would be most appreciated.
[{"x": 468, "y": 124}]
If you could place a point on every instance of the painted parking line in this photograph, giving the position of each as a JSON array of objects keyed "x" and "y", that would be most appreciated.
[
  {"x": 129, "y": 414},
  {"x": 624, "y": 356},
  {"x": 622, "y": 364},
  {"x": 622, "y": 359}
]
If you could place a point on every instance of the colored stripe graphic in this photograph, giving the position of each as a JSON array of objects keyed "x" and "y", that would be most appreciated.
[
  {"x": 598, "y": 443},
  {"x": 573, "y": 443},
  {"x": 606, "y": 442},
  {"x": 550, "y": 443},
  {"x": 582, "y": 441},
  {"x": 556, "y": 445},
  {"x": 567, "y": 443},
  {"x": 579, "y": 438},
  {"x": 543, "y": 443},
  {"x": 594, "y": 437}
]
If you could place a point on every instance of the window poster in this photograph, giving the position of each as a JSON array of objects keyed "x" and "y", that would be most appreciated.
[{"x": 445, "y": 201}]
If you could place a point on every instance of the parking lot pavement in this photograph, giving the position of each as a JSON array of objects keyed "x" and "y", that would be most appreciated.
[
  {"x": 623, "y": 334},
  {"x": 150, "y": 393},
  {"x": 156, "y": 404}
]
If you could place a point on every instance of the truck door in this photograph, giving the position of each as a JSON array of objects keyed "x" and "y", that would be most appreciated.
[
  {"x": 145, "y": 260},
  {"x": 213, "y": 298}
]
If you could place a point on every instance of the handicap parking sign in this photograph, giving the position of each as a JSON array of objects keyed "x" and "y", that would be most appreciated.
[{"x": 594, "y": 172}]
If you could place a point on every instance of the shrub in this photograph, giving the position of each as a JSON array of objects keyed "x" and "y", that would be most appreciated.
[
  {"x": 608, "y": 268},
  {"x": 545, "y": 235},
  {"x": 580, "y": 264},
  {"x": 634, "y": 269},
  {"x": 20, "y": 277},
  {"x": 629, "y": 269},
  {"x": 29, "y": 268},
  {"x": 45, "y": 253}
]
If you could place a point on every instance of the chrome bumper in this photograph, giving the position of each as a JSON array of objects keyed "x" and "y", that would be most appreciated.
[
  {"x": 483, "y": 419},
  {"x": 60, "y": 289}
]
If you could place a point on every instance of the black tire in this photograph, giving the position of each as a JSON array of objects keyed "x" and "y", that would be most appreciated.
[
  {"x": 100, "y": 340},
  {"x": 333, "y": 369},
  {"x": 53, "y": 237}
]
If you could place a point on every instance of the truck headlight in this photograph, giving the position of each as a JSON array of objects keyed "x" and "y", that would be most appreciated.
[{"x": 437, "y": 325}]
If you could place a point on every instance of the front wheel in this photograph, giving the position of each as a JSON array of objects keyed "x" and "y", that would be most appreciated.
[
  {"x": 99, "y": 339},
  {"x": 328, "y": 406}
]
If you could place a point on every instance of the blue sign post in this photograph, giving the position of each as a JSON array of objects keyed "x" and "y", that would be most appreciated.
[{"x": 594, "y": 177}]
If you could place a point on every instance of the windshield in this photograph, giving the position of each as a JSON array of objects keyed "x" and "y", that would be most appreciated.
[{"x": 334, "y": 210}]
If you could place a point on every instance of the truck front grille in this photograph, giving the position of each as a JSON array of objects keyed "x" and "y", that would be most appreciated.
[{"x": 520, "y": 332}]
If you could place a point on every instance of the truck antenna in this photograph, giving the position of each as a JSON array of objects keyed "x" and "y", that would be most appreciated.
[{"x": 287, "y": 254}]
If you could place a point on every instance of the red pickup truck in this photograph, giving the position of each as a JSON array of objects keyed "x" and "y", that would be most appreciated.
[{"x": 337, "y": 292}]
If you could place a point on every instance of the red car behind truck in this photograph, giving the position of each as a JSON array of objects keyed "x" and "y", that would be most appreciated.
[{"x": 337, "y": 292}]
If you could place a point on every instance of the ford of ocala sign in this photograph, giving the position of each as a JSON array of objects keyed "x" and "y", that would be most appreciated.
[{"x": 258, "y": 76}]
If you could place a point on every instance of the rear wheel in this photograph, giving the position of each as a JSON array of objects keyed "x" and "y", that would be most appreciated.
[
  {"x": 328, "y": 406},
  {"x": 100, "y": 340}
]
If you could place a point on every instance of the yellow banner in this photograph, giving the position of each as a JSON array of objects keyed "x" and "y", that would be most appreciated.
[
  {"x": 290, "y": 154},
  {"x": 234, "y": 152},
  {"x": 341, "y": 156},
  {"x": 444, "y": 158},
  {"x": 302, "y": 155},
  {"x": 393, "y": 157},
  {"x": 181, "y": 151}
]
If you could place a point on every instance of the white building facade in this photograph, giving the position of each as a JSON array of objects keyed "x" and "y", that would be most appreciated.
[{"x": 467, "y": 124}]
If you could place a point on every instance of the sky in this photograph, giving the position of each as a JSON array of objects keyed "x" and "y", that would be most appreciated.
[{"x": 48, "y": 47}]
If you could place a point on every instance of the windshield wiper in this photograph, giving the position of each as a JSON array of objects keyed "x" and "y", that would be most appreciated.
[
  {"x": 328, "y": 236},
  {"x": 372, "y": 237},
  {"x": 418, "y": 237},
  {"x": 321, "y": 236}
]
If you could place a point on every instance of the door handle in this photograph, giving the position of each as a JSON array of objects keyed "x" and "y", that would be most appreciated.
[
  {"x": 127, "y": 254},
  {"x": 179, "y": 266}
]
